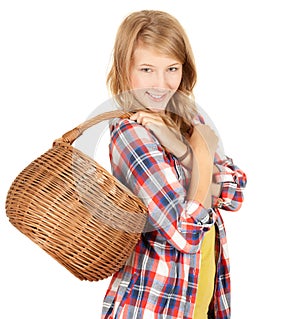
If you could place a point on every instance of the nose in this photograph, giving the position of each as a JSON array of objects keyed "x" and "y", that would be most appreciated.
[{"x": 161, "y": 81}]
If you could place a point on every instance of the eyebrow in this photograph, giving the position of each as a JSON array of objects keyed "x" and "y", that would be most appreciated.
[{"x": 147, "y": 64}]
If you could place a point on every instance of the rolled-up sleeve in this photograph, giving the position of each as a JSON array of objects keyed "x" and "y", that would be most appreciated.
[
  {"x": 232, "y": 181},
  {"x": 140, "y": 162}
]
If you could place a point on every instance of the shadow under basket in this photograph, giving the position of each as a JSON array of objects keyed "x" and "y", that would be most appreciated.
[{"x": 75, "y": 210}]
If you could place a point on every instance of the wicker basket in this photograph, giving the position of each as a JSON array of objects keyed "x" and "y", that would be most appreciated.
[{"x": 75, "y": 210}]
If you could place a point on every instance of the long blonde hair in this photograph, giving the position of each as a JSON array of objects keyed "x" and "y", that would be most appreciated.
[{"x": 159, "y": 30}]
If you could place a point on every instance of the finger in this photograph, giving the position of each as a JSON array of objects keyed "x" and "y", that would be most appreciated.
[
  {"x": 138, "y": 115},
  {"x": 133, "y": 117},
  {"x": 145, "y": 117},
  {"x": 146, "y": 121}
]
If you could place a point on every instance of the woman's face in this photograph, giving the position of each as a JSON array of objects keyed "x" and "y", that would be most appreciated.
[{"x": 154, "y": 77}]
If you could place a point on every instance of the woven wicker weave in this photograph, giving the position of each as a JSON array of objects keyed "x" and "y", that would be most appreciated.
[{"x": 75, "y": 210}]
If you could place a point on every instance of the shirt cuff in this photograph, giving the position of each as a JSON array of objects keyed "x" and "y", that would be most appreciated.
[{"x": 202, "y": 216}]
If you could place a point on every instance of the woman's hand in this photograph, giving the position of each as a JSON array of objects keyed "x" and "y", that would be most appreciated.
[{"x": 154, "y": 122}]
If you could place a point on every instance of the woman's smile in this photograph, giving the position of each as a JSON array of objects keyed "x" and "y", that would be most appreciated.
[{"x": 154, "y": 77}]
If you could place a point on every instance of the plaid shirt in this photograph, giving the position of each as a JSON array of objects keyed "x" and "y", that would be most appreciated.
[{"x": 159, "y": 280}]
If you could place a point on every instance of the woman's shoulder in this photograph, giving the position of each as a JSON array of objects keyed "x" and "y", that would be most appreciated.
[{"x": 130, "y": 130}]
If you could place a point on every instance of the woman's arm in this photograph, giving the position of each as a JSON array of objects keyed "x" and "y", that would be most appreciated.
[
  {"x": 203, "y": 143},
  {"x": 166, "y": 136},
  {"x": 141, "y": 163},
  {"x": 228, "y": 181}
]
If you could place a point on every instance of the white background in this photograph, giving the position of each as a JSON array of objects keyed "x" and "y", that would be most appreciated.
[{"x": 54, "y": 59}]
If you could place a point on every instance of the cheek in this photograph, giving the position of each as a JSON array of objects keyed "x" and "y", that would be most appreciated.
[
  {"x": 175, "y": 81},
  {"x": 137, "y": 82}
]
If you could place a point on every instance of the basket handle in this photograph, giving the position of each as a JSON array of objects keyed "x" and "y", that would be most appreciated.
[{"x": 73, "y": 134}]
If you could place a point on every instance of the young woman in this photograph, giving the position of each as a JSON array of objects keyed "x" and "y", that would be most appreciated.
[{"x": 167, "y": 156}]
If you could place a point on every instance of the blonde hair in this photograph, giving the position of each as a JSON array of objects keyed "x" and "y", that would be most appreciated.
[{"x": 159, "y": 30}]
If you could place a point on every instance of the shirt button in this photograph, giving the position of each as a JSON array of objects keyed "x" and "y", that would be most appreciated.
[{"x": 219, "y": 202}]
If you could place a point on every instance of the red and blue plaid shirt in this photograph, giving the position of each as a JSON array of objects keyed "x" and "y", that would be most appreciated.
[{"x": 159, "y": 280}]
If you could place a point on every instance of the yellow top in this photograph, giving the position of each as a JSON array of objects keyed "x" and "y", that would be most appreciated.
[{"x": 206, "y": 280}]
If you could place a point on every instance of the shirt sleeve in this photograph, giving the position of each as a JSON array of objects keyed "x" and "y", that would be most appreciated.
[
  {"x": 233, "y": 181},
  {"x": 140, "y": 162}
]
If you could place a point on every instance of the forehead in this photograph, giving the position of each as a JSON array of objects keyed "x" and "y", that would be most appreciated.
[{"x": 147, "y": 55}]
